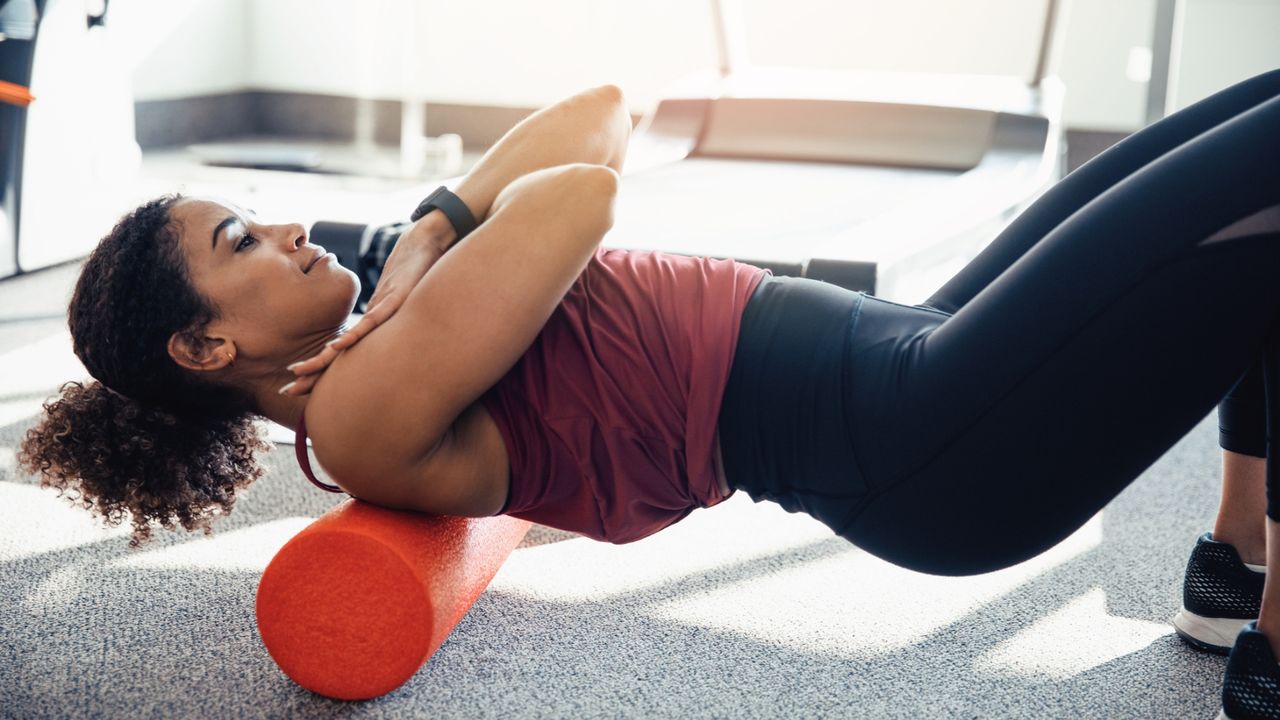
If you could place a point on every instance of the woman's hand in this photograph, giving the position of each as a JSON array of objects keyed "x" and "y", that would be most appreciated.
[{"x": 415, "y": 252}]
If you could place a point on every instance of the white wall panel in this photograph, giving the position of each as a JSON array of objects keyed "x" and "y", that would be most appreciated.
[
  {"x": 491, "y": 52},
  {"x": 180, "y": 48},
  {"x": 528, "y": 54},
  {"x": 1223, "y": 42}
]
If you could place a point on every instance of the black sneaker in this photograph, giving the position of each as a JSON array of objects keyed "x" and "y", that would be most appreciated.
[
  {"x": 1219, "y": 595},
  {"x": 1251, "y": 684}
]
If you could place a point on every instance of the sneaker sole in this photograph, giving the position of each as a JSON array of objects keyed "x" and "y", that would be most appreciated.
[{"x": 1215, "y": 635}]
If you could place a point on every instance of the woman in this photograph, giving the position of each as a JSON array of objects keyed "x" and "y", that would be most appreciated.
[{"x": 527, "y": 371}]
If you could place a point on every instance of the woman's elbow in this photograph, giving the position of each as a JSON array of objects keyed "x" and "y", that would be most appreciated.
[
  {"x": 612, "y": 93},
  {"x": 603, "y": 182}
]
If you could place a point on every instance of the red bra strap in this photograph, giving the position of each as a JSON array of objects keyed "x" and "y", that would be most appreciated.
[{"x": 300, "y": 447}]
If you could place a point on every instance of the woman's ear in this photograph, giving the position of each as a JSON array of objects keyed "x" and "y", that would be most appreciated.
[{"x": 195, "y": 352}]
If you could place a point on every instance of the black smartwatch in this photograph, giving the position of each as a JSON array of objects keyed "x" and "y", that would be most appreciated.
[{"x": 451, "y": 205}]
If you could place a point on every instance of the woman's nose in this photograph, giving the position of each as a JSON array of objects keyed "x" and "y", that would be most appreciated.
[{"x": 298, "y": 233}]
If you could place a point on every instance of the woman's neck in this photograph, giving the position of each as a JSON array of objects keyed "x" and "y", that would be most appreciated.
[
  {"x": 283, "y": 409},
  {"x": 270, "y": 377}
]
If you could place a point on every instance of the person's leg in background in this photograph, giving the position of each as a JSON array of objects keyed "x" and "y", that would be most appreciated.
[
  {"x": 1242, "y": 417},
  {"x": 1269, "y": 618},
  {"x": 1241, "y": 519},
  {"x": 1251, "y": 683},
  {"x": 1242, "y": 425},
  {"x": 1223, "y": 582}
]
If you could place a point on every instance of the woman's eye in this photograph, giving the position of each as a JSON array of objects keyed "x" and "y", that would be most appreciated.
[{"x": 243, "y": 240}]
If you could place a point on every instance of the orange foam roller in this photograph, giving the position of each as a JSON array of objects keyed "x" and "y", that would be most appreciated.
[{"x": 355, "y": 604}]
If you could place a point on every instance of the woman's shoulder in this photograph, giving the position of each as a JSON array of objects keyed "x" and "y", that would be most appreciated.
[
  {"x": 464, "y": 472},
  {"x": 355, "y": 433}
]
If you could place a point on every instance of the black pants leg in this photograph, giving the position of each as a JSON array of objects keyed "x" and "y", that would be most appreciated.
[
  {"x": 1086, "y": 340},
  {"x": 1242, "y": 412}
]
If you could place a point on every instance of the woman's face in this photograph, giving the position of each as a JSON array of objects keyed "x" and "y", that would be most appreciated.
[{"x": 273, "y": 289}]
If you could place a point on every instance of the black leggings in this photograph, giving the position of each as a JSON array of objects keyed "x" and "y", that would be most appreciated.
[{"x": 982, "y": 427}]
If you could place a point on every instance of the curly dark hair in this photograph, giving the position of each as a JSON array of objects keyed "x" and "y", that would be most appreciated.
[{"x": 147, "y": 438}]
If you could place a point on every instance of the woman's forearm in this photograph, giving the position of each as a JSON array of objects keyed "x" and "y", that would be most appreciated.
[{"x": 592, "y": 127}]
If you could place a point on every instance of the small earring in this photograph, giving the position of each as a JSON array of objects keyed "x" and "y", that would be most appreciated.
[{"x": 231, "y": 360}]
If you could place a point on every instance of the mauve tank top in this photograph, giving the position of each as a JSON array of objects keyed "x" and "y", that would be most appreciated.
[{"x": 609, "y": 418}]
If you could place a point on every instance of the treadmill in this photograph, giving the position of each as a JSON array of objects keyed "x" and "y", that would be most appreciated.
[
  {"x": 68, "y": 156},
  {"x": 884, "y": 182}
]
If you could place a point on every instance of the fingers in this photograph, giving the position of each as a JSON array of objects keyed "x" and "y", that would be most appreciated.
[
  {"x": 345, "y": 340},
  {"x": 371, "y": 319},
  {"x": 315, "y": 363},
  {"x": 350, "y": 337},
  {"x": 301, "y": 386},
  {"x": 308, "y": 371},
  {"x": 374, "y": 315}
]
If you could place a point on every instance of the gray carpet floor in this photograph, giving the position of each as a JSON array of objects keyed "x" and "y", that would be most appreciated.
[{"x": 739, "y": 611}]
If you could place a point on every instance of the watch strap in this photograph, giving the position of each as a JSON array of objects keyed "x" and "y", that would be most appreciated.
[{"x": 451, "y": 205}]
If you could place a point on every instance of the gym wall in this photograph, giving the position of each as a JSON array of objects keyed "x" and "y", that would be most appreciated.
[{"x": 223, "y": 68}]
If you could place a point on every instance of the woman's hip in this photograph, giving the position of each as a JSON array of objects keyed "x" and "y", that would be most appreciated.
[{"x": 786, "y": 415}]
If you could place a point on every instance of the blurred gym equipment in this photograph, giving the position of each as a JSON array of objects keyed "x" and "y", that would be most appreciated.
[
  {"x": 887, "y": 182},
  {"x": 68, "y": 157}
]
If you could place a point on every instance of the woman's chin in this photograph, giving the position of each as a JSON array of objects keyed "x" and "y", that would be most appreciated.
[
  {"x": 352, "y": 291},
  {"x": 335, "y": 303}
]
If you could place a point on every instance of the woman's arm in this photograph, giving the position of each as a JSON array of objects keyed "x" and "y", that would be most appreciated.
[
  {"x": 591, "y": 127},
  {"x": 463, "y": 326}
]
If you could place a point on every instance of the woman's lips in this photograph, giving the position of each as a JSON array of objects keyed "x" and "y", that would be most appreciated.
[{"x": 312, "y": 264}]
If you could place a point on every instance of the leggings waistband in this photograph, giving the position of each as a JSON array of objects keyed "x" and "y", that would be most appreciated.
[{"x": 782, "y": 419}]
